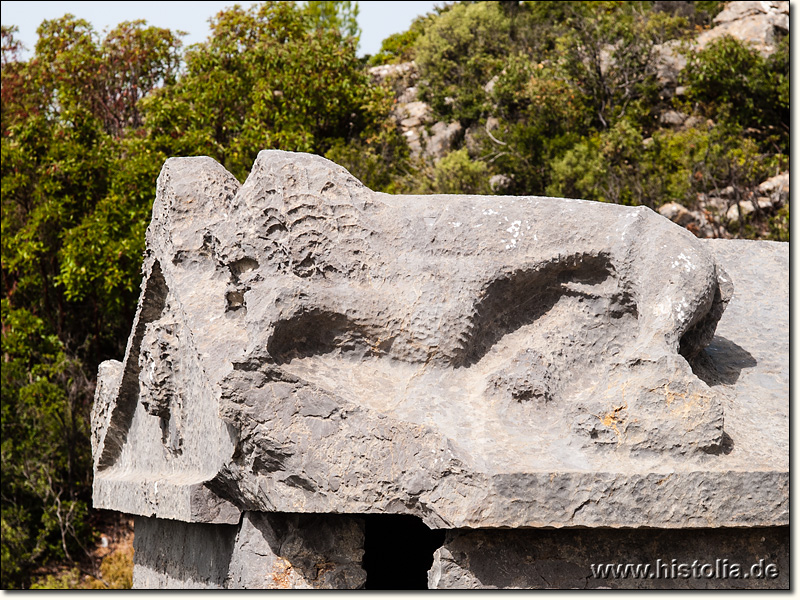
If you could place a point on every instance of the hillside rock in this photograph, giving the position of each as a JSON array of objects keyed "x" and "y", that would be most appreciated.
[
  {"x": 701, "y": 222},
  {"x": 426, "y": 137},
  {"x": 728, "y": 206},
  {"x": 776, "y": 189},
  {"x": 673, "y": 118},
  {"x": 393, "y": 71},
  {"x": 759, "y": 24}
]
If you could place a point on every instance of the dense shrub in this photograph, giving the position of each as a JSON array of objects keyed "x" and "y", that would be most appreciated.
[{"x": 733, "y": 83}]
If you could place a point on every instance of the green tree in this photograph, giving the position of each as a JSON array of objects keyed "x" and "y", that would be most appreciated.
[
  {"x": 340, "y": 16},
  {"x": 267, "y": 79},
  {"x": 538, "y": 117},
  {"x": 74, "y": 204},
  {"x": 455, "y": 173},
  {"x": 618, "y": 166},
  {"x": 401, "y": 47},
  {"x": 46, "y": 462},
  {"x": 458, "y": 55},
  {"x": 608, "y": 53},
  {"x": 87, "y": 123}
]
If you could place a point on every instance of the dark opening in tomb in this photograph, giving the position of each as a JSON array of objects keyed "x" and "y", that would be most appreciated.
[{"x": 398, "y": 551}]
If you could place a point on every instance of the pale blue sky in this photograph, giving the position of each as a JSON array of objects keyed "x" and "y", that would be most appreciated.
[{"x": 378, "y": 20}]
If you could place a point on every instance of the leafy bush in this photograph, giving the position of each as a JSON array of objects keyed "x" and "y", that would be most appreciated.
[
  {"x": 455, "y": 173},
  {"x": 538, "y": 115},
  {"x": 733, "y": 83},
  {"x": 608, "y": 54},
  {"x": 401, "y": 47},
  {"x": 45, "y": 448},
  {"x": 116, "y": 573},
  {"x": 265, "y": 80},
  {"x": 457, "y": 56},
  {"x": 617, "y": 166},
  {"x": 66, "y": 580},
  {"x": 779, "y": 225}
]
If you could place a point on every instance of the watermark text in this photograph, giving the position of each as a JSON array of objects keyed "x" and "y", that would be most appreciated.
[{"x": 718, "y": 569}]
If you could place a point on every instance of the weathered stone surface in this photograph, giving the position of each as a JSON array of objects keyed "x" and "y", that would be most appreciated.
[
  {"x": 442, "y": 138},
  {"x": 563, "y": 559},
  {"x": 677, "y": 213},
  {"x": 176, "y": 555},
  {"x": 759, "y": 23},
  {"x": 381, "y": 72},
  {"x": 748, "y": 359},
  {"x": 306, "y": 345},
  {"x": 776, "y": 188},
  {"x": 740, "y": 210},
  {"x": 279, "y": 551},
  {"x": 701, "y": 222},
  {"x": 500, "y": 182},
  {"x": 266, "y": 551},
  {"x": 673, "y": 118}
]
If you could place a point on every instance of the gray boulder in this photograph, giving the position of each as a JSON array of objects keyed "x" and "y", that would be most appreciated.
[
  {"x": 427, "y": 139},
  {"x": 305, "y": 345}
]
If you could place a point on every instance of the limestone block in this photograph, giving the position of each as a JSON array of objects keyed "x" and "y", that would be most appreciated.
[
  {"x": 265, "y": 551},
  {"x": 740, "y": 209},
  {"x": 176, "y": 555},
  {"x": 279, "y": 551},
  {"x": 306, "y": 345},
  {"x": 673, "y": 118},
  {"x": 579, "y": 559},
  {"x": 677, "y": 213}
]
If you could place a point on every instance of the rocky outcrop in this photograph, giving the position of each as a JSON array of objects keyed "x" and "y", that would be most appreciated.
[
  {"x": 729, "y": 206},
  {"x": 701, "y": 222},
  {"x": 426, "y": 137},
  {"x": 305, "y": 345},
  {"x": 760, "y": 24}
]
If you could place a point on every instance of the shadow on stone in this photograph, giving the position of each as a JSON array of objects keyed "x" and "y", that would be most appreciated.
[
  {"x": 722, "y": 362},
  {"x": 725, "y": 446}
]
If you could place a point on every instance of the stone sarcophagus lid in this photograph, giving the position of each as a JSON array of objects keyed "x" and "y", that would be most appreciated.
[{"x": 308, "y": 354}]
